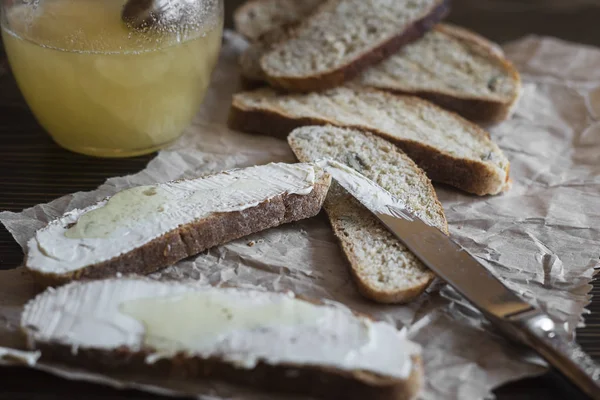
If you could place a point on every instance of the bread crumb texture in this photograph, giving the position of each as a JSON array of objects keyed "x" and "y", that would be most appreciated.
[
  {"x": 342, "y": 31},
  {"x": 384, "y": 268},
  {"x": 399, "y": 117},
  {"x": 442, "y": 62}
]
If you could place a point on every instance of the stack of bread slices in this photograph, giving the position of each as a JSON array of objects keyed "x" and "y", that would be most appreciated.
[
  {"x": 378, "y": 85},
  {"x": 385, "y": 88},
  {"x": 398, "y": 47}
]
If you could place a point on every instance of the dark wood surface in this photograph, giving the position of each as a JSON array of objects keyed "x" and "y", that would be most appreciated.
[{"x": 34, "y": 170}]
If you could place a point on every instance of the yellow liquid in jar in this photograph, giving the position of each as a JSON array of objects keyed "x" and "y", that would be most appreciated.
[{"x": 102, "y": 89}]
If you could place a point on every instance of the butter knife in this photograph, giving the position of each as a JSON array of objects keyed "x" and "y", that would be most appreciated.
[{"x": 514, "y": 317}]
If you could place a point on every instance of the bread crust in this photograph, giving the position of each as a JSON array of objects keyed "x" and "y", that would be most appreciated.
[
  {"x": 200, "y": 235},
  {"x": 344, "y": 73},
  {"x": 468, "y": 175},
  {"x": 327, "y": 383},
  {"x": 312, "y": 380}
]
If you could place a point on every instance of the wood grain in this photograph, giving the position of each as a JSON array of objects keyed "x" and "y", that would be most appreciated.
[{"x": 34, "y": 170}]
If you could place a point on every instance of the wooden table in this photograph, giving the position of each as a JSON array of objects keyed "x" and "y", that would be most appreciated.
[{"x": 34, "y": 170}]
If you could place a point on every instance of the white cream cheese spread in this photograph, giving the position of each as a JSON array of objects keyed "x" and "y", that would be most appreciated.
[
  {"x": 367, "y": 192},
  {"x": 136, "y": 216},
  {"x": 12, "y": 356},
  {"x": 238, "y": 325}
]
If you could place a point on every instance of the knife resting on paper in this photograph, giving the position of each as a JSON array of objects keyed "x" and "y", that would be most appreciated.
[{"x": 514, "y": 317}]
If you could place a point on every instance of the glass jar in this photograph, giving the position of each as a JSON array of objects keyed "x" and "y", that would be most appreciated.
[{"x": 101, "y": 86}]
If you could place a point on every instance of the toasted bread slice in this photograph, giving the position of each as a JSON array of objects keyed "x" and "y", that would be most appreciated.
[
  {"x": 341, "y": 38},
  {"x": 449, "y": 148},
  {"x": 455, "y": 69},
  {"x": 255, "y": 18},
  {"x": 271, "y": 341},
  {"x": 383, "y": 268},
  {"x": 143, "y": 229}
]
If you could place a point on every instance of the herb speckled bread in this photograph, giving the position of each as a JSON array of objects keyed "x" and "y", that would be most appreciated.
[
  {"x": 343, "y": 37},
  {"x": 449, "y": 148},
  {"x": 454, "y": 68},
  {"x": 383, "y": 268}
]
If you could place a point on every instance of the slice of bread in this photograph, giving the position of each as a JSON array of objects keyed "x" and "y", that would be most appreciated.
[
  {"x": 255, "y": 18},
  {"x": 272, "y": 341},
  {"x": 454, "y": 68},
  {"x": 383, "y": 268},
  {"x": 449, "y": 148},
  {"x": 450, "y": 66},
  {"x": 251, "y": 70},
  {"x": 343, "y": 37},
  {"x": 143, "y": 229}
]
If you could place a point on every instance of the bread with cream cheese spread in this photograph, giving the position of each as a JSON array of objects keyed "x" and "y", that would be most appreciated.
[
  {"x": 143, "y": 229},
  {"x": 275, "y": 342}
]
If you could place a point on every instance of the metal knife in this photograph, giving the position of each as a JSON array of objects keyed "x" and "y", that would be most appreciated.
[{"x": 516, "y": 318}]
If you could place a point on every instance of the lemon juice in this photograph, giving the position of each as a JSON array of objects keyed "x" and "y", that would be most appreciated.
[{"x": 101, "y": 88}]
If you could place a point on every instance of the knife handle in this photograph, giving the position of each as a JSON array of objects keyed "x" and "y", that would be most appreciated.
[{"x": 541, "y": 333}]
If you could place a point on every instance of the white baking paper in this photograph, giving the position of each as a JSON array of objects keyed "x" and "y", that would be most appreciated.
[{"x": 542, "y": 237}]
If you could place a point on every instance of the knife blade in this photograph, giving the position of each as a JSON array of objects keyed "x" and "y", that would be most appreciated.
[{"x": 513, "y": 316}]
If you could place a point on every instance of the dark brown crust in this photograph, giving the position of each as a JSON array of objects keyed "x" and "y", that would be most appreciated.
[
  {"x": 316, "y": 381},
  {"x": 477, "y": 110},
  {"x": 265, "y": 122},
  {"x": 468, "y": 175},
  {"x": 400, "y": 297},
  {"x": 379, "y": 53},
  {"x": 199, "y": 236}
]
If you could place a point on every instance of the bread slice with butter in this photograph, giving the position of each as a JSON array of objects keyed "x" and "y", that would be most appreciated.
[
  {"x": 272, "y": 341},
  {"x": 143, "y": 229},
  {"x": 449, "y": 148},
  {"x": 341, "y": 38},
  {"x": 383, "y": 268}
]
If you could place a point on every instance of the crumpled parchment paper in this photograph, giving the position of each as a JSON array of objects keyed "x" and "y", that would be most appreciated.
[{"x": 542, "y": 237}]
